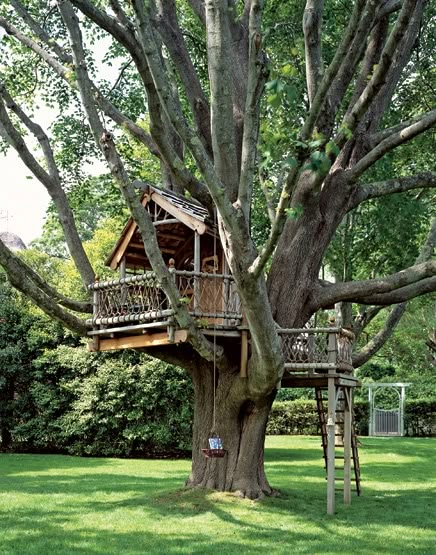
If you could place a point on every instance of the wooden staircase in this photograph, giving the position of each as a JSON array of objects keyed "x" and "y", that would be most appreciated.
[{"x": 339, "y": 441}]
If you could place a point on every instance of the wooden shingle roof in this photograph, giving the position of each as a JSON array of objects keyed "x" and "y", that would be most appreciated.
[{"x": 163, "y": 206}]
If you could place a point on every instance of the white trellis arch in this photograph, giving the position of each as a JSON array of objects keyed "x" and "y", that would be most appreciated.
[{"x": 384, "y": 422}]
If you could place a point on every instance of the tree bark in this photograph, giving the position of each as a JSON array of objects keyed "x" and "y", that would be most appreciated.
[{"x": 241, "y": 423}]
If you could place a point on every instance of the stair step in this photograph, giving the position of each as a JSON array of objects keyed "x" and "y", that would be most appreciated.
[{"x": 342, "y": 489}]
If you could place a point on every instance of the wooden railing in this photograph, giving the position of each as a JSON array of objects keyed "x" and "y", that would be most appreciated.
[
  {"x": 138, "y": 299},
  {"x": 316, "y": 348}
]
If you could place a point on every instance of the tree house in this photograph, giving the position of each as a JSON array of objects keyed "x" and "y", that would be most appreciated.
[{"x": 133, "y": 311}]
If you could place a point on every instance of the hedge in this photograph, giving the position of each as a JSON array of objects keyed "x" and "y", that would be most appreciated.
[
  {"x": 301, "y": 417},
  {"x": 420, "y": 417},
  {"x": 86, "y": 404}
]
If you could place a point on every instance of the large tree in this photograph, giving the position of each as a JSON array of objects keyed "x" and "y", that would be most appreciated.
[{"x": 191, "y": 93}]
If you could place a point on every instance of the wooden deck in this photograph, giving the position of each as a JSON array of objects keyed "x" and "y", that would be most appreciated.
[{"x": 134, "y": 312}]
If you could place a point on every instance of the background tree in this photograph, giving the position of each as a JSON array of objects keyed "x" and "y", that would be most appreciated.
[{"x": 196, "y": 72}]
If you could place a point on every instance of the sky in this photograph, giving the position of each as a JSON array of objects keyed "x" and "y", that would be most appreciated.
[{"x": 23, "y": 201}]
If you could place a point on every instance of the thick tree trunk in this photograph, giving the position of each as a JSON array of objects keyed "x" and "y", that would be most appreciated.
[{"x": 241, "y": 424}]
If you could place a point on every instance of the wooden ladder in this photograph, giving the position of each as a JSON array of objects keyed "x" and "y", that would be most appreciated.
[{"x": 354, "y": 441}]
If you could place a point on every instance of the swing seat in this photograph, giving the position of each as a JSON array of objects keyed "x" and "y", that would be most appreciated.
[
  {"x": 214, "y": 453},
  {"x": 215, "y": 450}
]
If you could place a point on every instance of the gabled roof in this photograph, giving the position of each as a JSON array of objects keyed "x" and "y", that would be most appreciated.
[
  {"x": 187, "y": 212},
  {"x": 188, "y": 206}
]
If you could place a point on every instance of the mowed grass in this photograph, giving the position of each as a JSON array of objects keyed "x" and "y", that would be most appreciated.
[{"x": 56, "y": 505}]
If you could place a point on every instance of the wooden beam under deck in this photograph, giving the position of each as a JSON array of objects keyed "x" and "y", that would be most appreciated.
[
  {"x": 298, "y": 380},
  {"x": 142, "y": 341}
]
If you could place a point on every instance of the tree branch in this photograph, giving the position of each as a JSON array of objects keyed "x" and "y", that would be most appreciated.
[
  {"x": 393, "y": 75},
  {"x": 220, "y": 61},
  {"x": 312, "y": 22},
  {"x": 19, "y": 265},
  {"x": 402, "y": 294},
  {"x": 214, "y": 184},
  {"x": 44, "y": 297},
  {"x": 331, "y": 72},
  {"x": 378, "y": 78},
  {"x": 377, "y": 342},
  {"x": 197, "y": 7},
  {"x": 392, "y": 141},
  {"x": 163, "y": 151},
  {"x": 50, "y": 180},
  {"x": 359, "y": 358},
  {"x": 169, "y": 29},
  {"x": 390, "y": 6},
  {"x": 142, "y": 218},
  {"x": 365, "y": 316},
  {"x": 419, "y": 278},
  {"x": 379, "y": 136},
  {"x": 278, "y": 224},
  {"x": 40, "y": 32},
  {"x": 256, "y": 81},
  {"x": 391, "y": 186}
]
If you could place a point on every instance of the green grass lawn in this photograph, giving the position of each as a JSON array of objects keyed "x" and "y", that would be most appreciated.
[{"x": 55, "y": 505}]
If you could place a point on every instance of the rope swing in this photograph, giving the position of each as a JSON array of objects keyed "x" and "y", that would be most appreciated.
[{"x": 215, "y": 445}]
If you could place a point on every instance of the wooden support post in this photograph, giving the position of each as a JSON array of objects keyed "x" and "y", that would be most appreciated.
[
  {"x": 311, "y": 347},
  {"x": 402, "y": 404},
  {"x": 197, "y": 268},
  {"x": 332, "y": 347},
  {"x": 123, "y": 268},
  {"x": 171, "y": 330},
  {"x": 244, "y": 354},
  {"x": 124, "y": 287},
  {"x": 371, "y": 412},
  {"x": 95, "y": 342},
  {"x": 331, "y": 425},
  {"x": 348, "y": 412}
]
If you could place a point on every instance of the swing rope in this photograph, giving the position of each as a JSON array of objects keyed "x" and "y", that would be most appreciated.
[{"x": 214, "y": 323}]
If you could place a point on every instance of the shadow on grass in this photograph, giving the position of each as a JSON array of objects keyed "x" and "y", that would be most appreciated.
[
  {"x": 286, "y": 524},
  {"x": 169, "y": 519}
]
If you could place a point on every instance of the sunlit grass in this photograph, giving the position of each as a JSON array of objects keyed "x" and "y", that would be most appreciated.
[{"x": 54, "y": 505}]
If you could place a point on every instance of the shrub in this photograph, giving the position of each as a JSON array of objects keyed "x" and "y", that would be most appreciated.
[
  {"x": 301, "y": 417},
  {"x": 420, "y": 417},
  {"x": 105, "y": 404},
  {"x": 293, "y": 417},
  {"x": 130, "y": 410}
]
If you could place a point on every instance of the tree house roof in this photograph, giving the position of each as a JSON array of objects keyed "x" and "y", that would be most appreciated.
[{"x": 174, "y": 217}]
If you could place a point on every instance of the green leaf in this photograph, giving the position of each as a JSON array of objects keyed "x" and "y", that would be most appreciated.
[
  {"x": 332, "y": 148},
  {"x": 271, "y": 85},
  {"x": 289, "y": 162},
  {"x": 294, "y": 213},
  {"x": 274, "y": 100}
]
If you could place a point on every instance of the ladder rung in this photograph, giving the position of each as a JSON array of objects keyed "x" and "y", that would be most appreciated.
[{"x": 342, "y": 489}]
